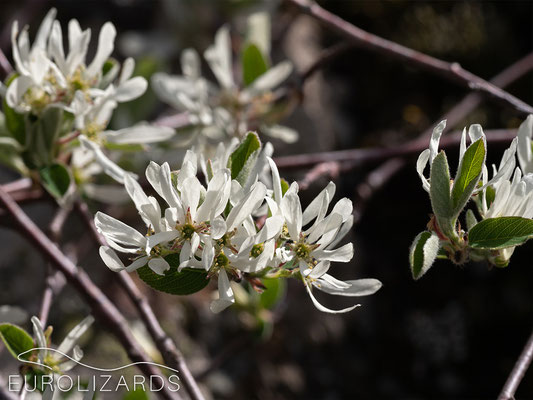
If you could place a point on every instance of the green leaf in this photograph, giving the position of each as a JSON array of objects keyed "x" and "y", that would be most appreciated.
[
  {"x": 471, "y": 219},
  {"x": 423, "y": 253},
  {"x": 187, "y": 281},
  {"x": 284, "y": 186},
  {"x": 439, "y": 193},
  {"x": 55, "y": 179},
  {"x": 253, "y": 64},
  {"x": 243, "y": 159},
  {"x": 16, "y": 339},
  {"x": 490, "y": 195},
  {"x": 15, "y": 123},
  {"x": 499, "y": 233},
  {"x": 274, "y": 292},
  {"x": 468, "y": 174}
]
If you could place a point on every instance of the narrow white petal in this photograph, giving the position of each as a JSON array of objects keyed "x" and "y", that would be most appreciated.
[
  {"x": 320, "y": 307},
  {"x": 110, "y": 259},
  {"x": 75, "y": 334},
  {"x": 106, "y": 43},
  {"x": 225, "y": 297},
  {"x": 158, "y": 265}
]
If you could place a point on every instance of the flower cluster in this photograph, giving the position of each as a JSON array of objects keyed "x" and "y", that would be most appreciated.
[
  {"x": 229, "y": 109},
  {"x": 212, "y": 227},
  {"x": 56, "y": 101},
  {"x": 504, "y": 203}
]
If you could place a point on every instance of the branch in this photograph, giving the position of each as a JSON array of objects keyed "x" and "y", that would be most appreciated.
[
  {"x": 519, "y": 369},
  {"x": 451, "y": 71},
  {"x": 54, "y": 281},
  {"x": 381, "y": 175},
  {"x": 164, "y": 343},
  {"x": 352, "y": 158},
  {"x": 101, "y": 306}
]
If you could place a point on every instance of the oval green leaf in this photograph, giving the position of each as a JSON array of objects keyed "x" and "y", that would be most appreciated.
[
  {"x": 253, "y": 64},
  {"x": 16, "y": 339},
  {"x": 56, "y": 179},
  {"x": 243, "y": 159},
  {"x": 499, "y": 233},
  {"x": 468, "y": 174},
  {"x": 187, "y": 281}
]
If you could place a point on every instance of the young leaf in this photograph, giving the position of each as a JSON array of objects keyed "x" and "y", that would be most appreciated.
[
  {"x": 14, "y": 120},
  {"x": 16, "y": 339},
  {"x": 242, "y": 160},
  {"x": 499, "y": 233},
  {"x": 55, "y": 179},
  {"x": 253, "y": 64},
  {"x": 468, "y": 175},
  {"x": 439, "y": 193},
  {"x": 187, "y": 281},
  {"x": 423, "y": 253}
]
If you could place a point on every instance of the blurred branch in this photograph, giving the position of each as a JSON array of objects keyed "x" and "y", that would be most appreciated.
[
  {"x": 101, "y": 306},
  {"x": 451, "y": 71},
  {"x": 330, "y": 169},
  {"x": 353, "y": 158},
  {"x": 324, "y": 58},
  {"x": 19, "y": 184},
  {"x": 381, "y": 175},
  {"x": 54, "y": 280},
  {"x": 164, "y": 343},
  {"x": 519, "y": 369}
]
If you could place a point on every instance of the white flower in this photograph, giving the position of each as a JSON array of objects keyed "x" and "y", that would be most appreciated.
[
  {"x": 56, "y": 359},
  {"x": 220, "y": 112}
]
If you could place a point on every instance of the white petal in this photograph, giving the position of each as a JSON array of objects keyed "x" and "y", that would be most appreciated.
[
  {"x": 75, "y": 334},
  {"x": 118, "y": 231},
  {"x": 225, "y": 298},
  {"x": 292, "y": 212},
  {"x": 358, "y": 287},
  {"x": 130, "y": 89},
  {"x": 106, "y": 42},
  {"x": 270, "y": 79},
  {"x": 324, "y": 309},
  {"x": 218, "y": 56},
  {"x": 139, "y": 134},
  {"x": 288, "y": 135},
  {"x": 342, "y": 254},
  {"x": 158, "y": 265},
  {"x": 421, "y": 163},
  {"x": 525, "y": 132},
  {"x": 246, "y": 206},
  {"x": 110, "y": 259},
  {"x": 435, "y": 139},
  {"x": 127, "y": 70}
]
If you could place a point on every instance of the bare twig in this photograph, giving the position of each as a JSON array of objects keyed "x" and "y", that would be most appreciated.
[
  {"x": 324, "y": 58},
  {"x": 164, "y": 343},
  {"x": 356, "y": 157},
  {"x": 54, "y": 280},
  {"x": 519, "y": 369},
  {"x": 381, "y": 175},
  {"x": 101, "y": 306},
  {"x": 19, "y": 184},
  {"x": 451, "y": 71},
  {"x": 330, "y": 169}
]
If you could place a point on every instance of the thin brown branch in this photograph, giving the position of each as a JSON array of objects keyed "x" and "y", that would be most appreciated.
[
  {"x": 19, "y": 184},
  {"x": 325, "y": 57},
  {"x": 452, "y": 71},
  {"x": 518, "y": 372},
  {"x": 356, "y": 157},
  {"x": 329, "y": 169},
  {"x": 101, "y": 306},
  {"x": 164, "y": 343},
  {"x": 381, "y": 175},
  {"x": 54, "y": 281}
]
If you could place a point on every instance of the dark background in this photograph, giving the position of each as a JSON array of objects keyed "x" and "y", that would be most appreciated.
[{"x": 454, "y": 334}]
